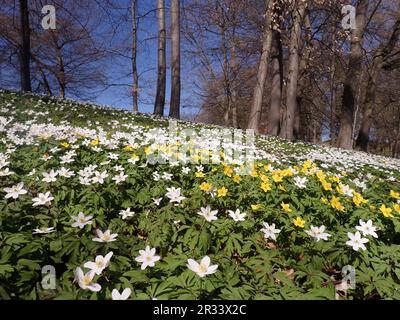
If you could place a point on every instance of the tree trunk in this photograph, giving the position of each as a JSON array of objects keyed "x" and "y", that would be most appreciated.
[
  {"x": 45, "y": 81},
  {"x": 61, "y": 69},
  {"x": 255, "y": 112},
  {"x": 234, "y": 83},
  {"x": 369, "y": 102},
  {"x": 332, "y": 79},
  {"x": 135, "y": 85},
  {"x": 297, "y": 119},
  {"x": 225, "y": 71},
  {"x": 25, "y": 51},
  {"x": 293, "y": 73},
  {"x": 276, "y": 86},
  {"x": 162, "y": 60},
  {"x": 345, "y": 137},
  {"x": 174, "y": 110}
]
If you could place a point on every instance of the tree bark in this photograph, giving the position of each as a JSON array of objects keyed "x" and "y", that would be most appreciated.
[
  {"x": 45, "y": 81},
  {"x": 345, "y": 137},
  {"x": 162, "y": 60},
  {"x": 332, "y": 85},
  {"x": 234, "y": 85},
  {"x": 135, "y": 84},
  {"x": 60, "y": 71},
  {"x": 255, "y": 112},
  {"x": 225, "y": 70},
  {"x": 25, "y": 50},
  {"x": 370, "y": 96},
  {"x": 174, "y": 110},
  {"x": 297, "y": 119},
  {"x": 293, "y": 73},
  {"x": 276, "y": 86}
]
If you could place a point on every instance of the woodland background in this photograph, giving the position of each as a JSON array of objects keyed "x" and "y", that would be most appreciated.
[{"x": 285, "y": 68}]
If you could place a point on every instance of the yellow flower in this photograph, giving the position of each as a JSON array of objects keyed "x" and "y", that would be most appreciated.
[
  {"x": 267, "y": 167},
  {"x": 307, "y": 164},
  {"x": 326, "y": 185},
  {"x": 281, "y": 187},
  {"x": 265, "y": 186},
  {"x": 214, "y": 169},
  {"x": 134, "y": 157},
  {"x": 147, "y": 150},
  {"x": 237, "y": 179},
  {"x": 95, "y": 142},
  {"x": 287, "y": 173},
  {"x": 324, "y": 200},
  {"x": 228, "y": 171},
  {"x": 196, "y": 158},
  {"x": 254, "y": 173},
  {"x": 358, "y": 199},
  {"x": 286, "y": 207},
  {"x": 299, "y": 222},
  {"x": 387, "y": 212},
  {"x": 321, "y": 175},
  {"x": 395, "y": 194},
  {"x": 200, "y": 174},
  {"x": 335, "y": 203},
  {"x": 128, "y": 148},
  {"x": 339, "y": 189},
  {"x": 64, "y": 144},
  {"x": 255, "y": 207},
  {"x": 396, "y": 207},
  {"x": 206, "y": 187},
  {"x": 222, "y": 192},
  {"x": 264, "y": 178},
  {"x": 277, "y": 177},
  {"x": 335, "y": 179}
]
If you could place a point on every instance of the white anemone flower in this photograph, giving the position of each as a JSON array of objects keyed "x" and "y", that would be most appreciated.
[
  {"x": 42, "y": 199},
  {"x": 127, "y": 213},
  {"x": 85, "y": 280},
  {"x": 356, "y": 241},
  {"x": 237, "y": 215},
  {"x": 99, "y": 264},
  {"x": 15, "y": 191},
  {"x": 367, "y": 228},
  {"x": 203, "y": 268},
  {"x": 174, "y": 194},
  {"x": 81, "y": 220},
  {"x": 208, "y": 214},
  {"x": 115, "y": 295},
  {"x": 318, "y": 233},
  {"x": 105, "y": 237},
  {"x": 270, "y": 231},
  {"x": 147, "y": 257},
  {"x": 43, "y": 230}
]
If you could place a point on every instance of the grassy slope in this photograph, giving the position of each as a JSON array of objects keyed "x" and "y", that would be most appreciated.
[{"x": 257, "y": 265}]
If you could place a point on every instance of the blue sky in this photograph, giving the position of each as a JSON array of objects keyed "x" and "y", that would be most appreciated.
[{"x": 119, "y": 69}]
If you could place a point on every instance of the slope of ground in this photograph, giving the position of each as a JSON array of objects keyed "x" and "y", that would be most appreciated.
[{"x": 86, "y": 189}]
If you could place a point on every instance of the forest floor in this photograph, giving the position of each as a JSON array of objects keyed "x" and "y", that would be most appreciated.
[{"x": 177, "y": 210}]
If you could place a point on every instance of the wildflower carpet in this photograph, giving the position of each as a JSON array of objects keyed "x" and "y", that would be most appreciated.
[{"x": 80, "y": 197}]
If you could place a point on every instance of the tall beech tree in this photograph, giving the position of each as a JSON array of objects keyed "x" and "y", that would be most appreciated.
[
  {"x": 174, "y": 110},
  {"x": 25, "y": 51},
  {"x": 352, "y": 80},
  {"x": 161, "y": 60}
]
